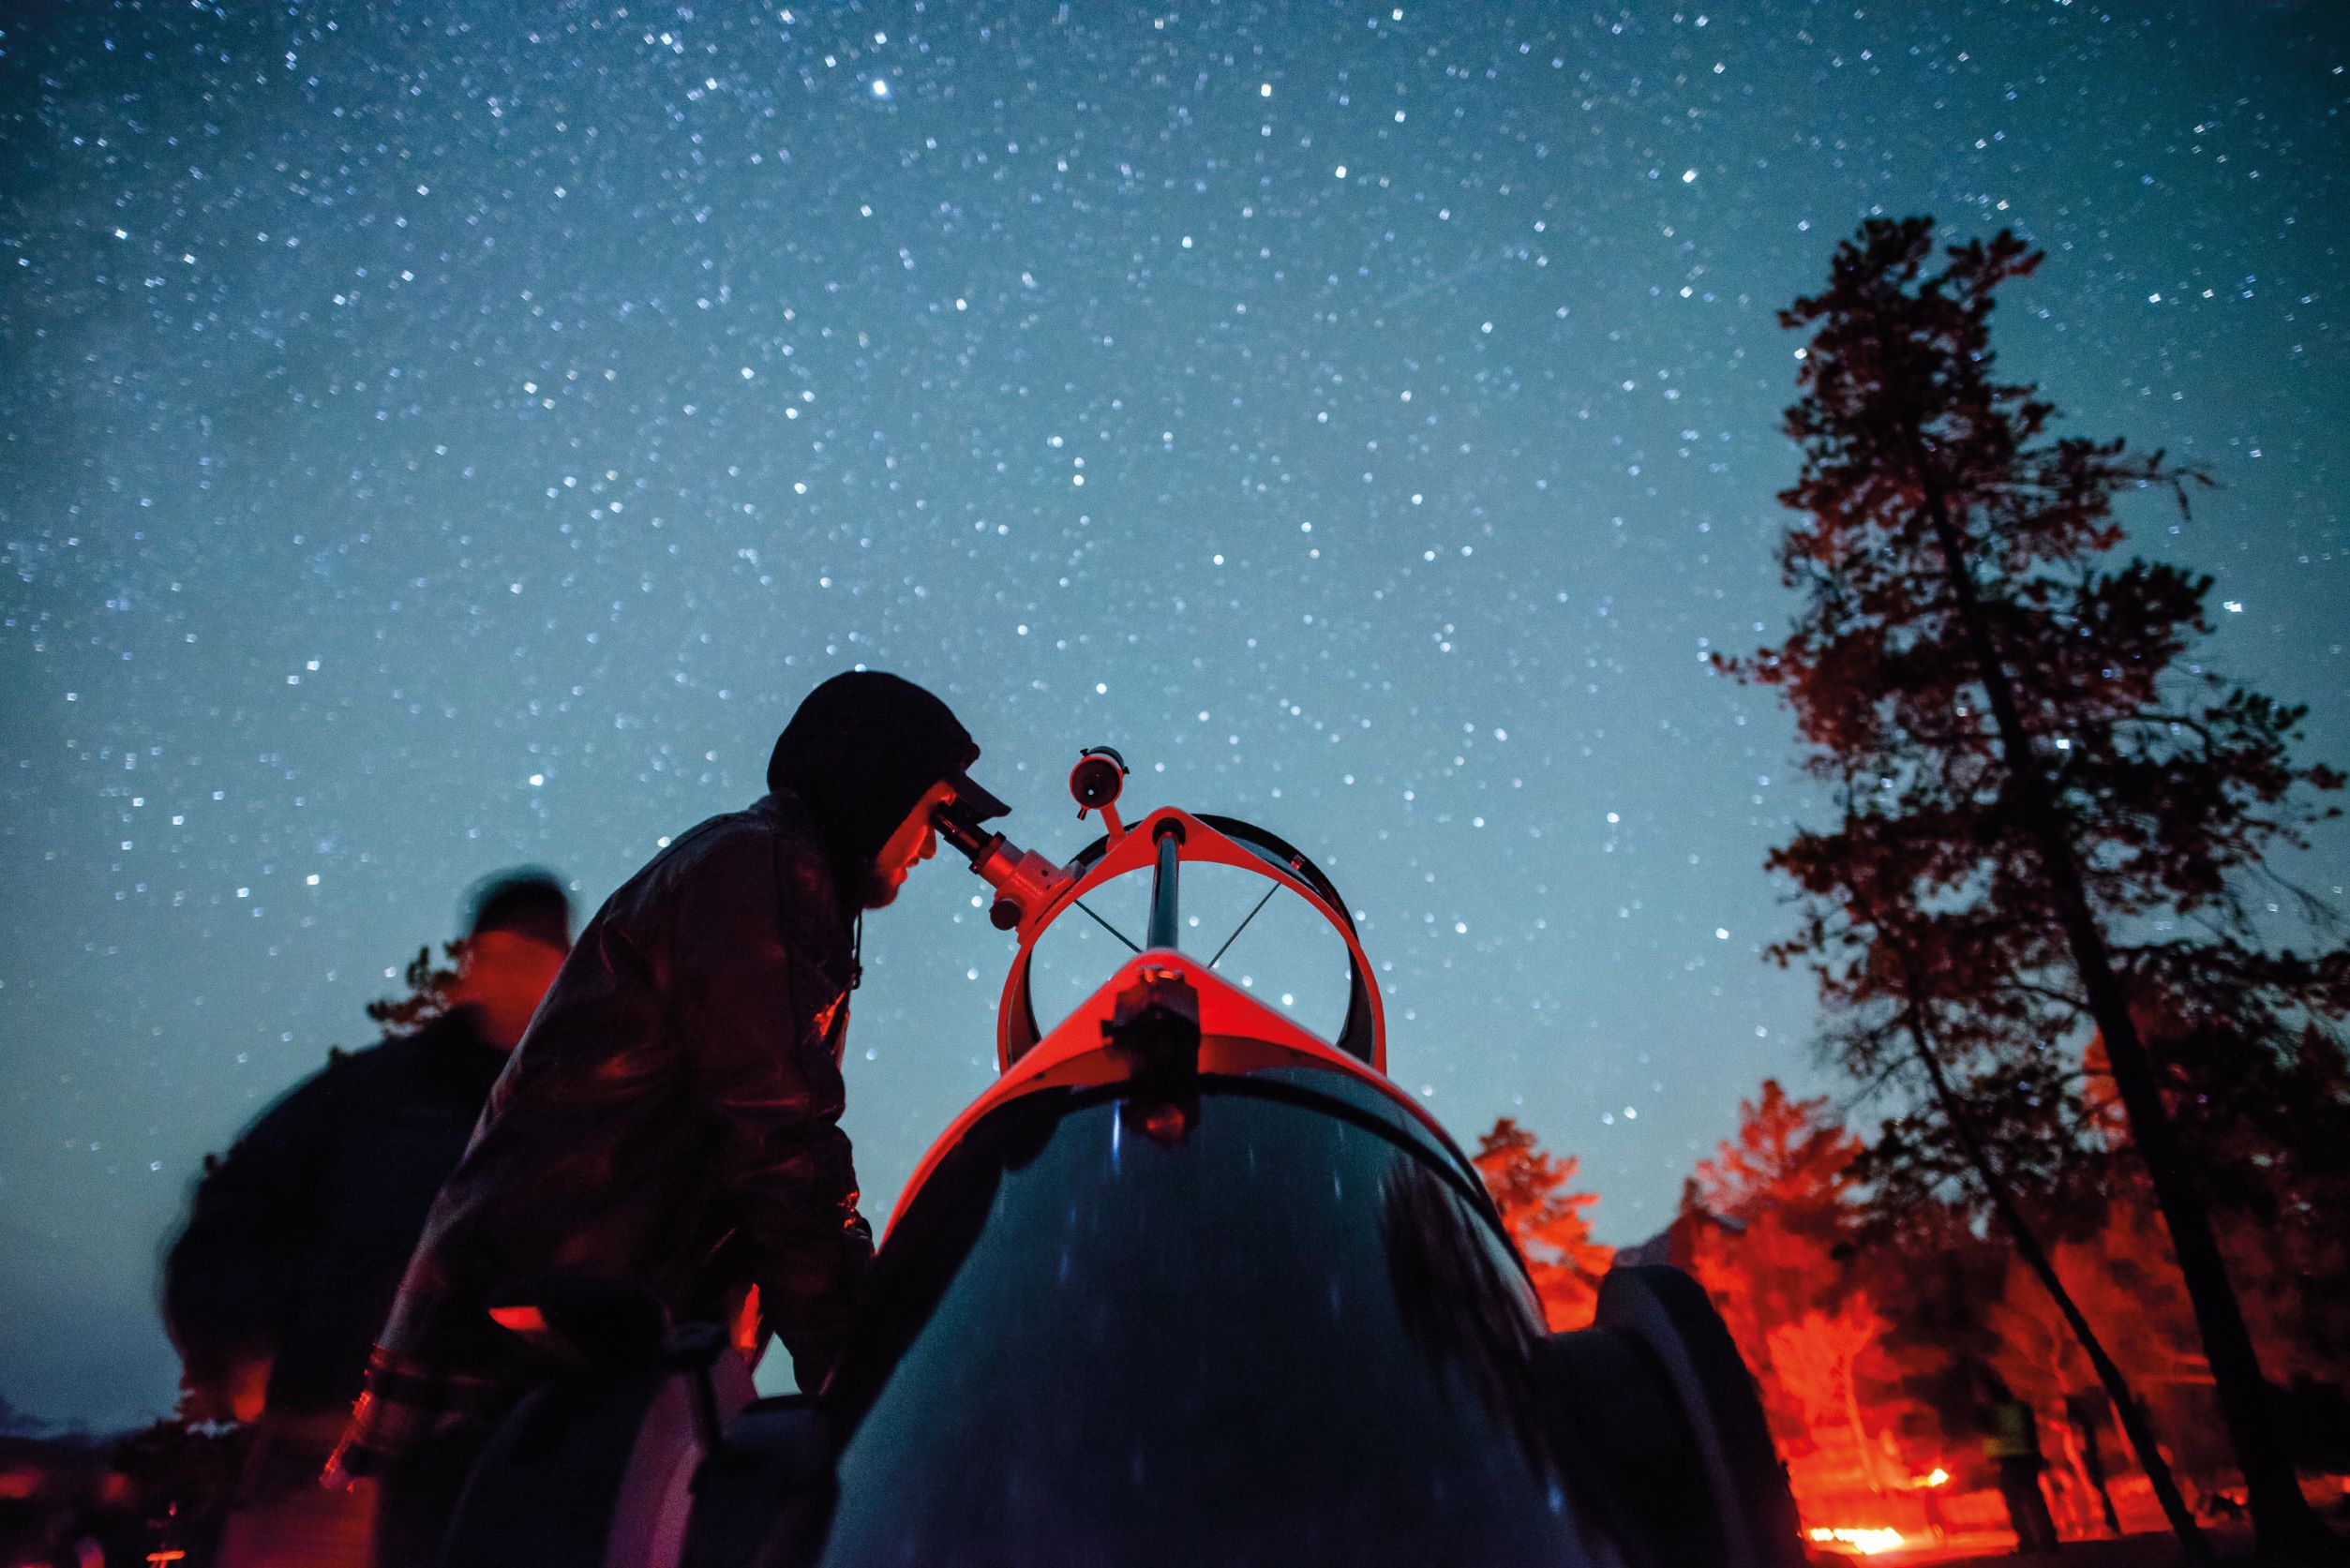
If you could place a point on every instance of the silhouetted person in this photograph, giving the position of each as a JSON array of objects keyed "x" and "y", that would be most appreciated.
[
  {"x": 671, "y": 1118},
  {"x": 296, "y": 1242},
  {"x": 2012, "y": 1441},
  {"x": 2089, "y": 1410}
]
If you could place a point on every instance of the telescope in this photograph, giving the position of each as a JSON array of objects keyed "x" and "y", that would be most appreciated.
[{"x": 1189, "y": 1283}]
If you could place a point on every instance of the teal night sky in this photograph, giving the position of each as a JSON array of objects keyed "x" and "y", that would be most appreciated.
[{"x": 440, "y": 436}]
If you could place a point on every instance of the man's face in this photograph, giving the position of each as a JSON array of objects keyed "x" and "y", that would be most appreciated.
[
  {"x": 501, "y": 976},
  {"x": 914, "y": 841}
]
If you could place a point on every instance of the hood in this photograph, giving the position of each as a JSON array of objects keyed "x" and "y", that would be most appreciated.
[{"x": 861, "y": 751}]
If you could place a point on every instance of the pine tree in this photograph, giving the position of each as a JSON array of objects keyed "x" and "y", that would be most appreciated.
[
  {"x": 1784, "y": 1183},
  {"x": 1789, "y": 1157},
  {"x": 2052, "y": 804},
  {"x": 1547, "y": 1221}
]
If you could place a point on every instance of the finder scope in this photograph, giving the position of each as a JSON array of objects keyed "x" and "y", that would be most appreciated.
[{"x": 1097, "y": 779}]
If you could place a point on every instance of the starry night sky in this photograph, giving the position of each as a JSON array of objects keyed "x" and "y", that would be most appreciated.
[{"x": 450, "y": 435}]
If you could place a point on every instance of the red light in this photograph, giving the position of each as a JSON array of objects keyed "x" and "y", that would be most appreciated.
[{"x": 1166, "y": 1124}]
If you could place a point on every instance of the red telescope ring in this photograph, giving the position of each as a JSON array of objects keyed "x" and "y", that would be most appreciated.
[{"x": 1210, "y": 840}]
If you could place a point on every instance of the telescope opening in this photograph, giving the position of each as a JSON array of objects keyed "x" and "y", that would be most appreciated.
[{"x": 1280, "y": 951}]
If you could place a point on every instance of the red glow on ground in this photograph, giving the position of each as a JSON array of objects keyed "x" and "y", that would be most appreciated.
[{"x": 1868, "y": 1540}]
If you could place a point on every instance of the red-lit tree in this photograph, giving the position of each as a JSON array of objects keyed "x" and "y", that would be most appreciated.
[
  {"x": 1818, "y": 1358},
  {"x": 1778, "y": 1276},
  {"x": 1791, "y": 1158},
  {"x": 1548, "y": 1222},
  {"x": 2041, "y": 799},
  {"x": 1782, "y": 1177}
]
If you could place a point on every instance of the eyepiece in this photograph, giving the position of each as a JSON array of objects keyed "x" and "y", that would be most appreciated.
[
  {"x": 961, "y": 825},
  {"x": 1097, "y": 779}
]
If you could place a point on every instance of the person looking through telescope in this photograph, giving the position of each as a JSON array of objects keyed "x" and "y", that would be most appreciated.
[{"x": 670, "y": 1120}]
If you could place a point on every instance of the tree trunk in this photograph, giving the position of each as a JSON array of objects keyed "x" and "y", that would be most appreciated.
[
  {"x": 2283, "y": 1519},
  {"x": 1871, "y": 1473},
  {"x": 2126, "y": 1407}
]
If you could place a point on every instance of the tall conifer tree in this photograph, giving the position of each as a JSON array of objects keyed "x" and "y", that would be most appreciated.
[{"x": 2058, "y": 812}]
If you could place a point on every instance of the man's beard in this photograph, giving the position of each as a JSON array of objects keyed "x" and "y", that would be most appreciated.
[{"x": 880, "y": 891}]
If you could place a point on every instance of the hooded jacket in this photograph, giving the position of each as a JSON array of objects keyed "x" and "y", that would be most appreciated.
[{"x": 671, "y": 1117}]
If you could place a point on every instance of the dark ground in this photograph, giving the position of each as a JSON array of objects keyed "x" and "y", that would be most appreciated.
[{"x": 2235, "y": 1547}]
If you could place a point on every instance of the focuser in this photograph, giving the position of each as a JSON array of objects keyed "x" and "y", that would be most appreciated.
[{"x": 1024, "y": 881}]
